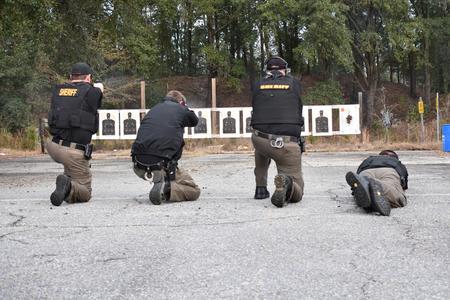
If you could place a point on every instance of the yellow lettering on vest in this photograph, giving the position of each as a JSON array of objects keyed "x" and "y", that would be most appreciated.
[
  {"x": 68, "y": 92},
  {"x": 274, "y": 86}
]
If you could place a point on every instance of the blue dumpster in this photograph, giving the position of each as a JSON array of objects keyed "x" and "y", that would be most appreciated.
[{"x": 446, "y": 137}]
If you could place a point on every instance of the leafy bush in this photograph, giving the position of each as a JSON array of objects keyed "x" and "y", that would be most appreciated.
[
  {"x": 413, "y": 114},
  {"x": 233, "y": 79},
  {"x": 231, "y": 72},
  {"x": 25, "y": 139},
  {"x": 15, "y": 114},
  {"x": 324, "y": 92},
  {"x": 29, "y": 138},
  {"x": 155, "y": 94},
  {"x": 6, "y": 138}
]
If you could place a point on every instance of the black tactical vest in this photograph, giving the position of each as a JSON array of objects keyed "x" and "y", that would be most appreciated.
[
  {"x": 69, "y": 108},
  {"x": 276, "y": 102}
]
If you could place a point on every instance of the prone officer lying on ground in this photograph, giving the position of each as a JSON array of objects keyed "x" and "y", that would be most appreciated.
[
  {"x": 158, "y": 147},
  {"x": 379, "y": 183},
  {"x": 73, "y": 120}
]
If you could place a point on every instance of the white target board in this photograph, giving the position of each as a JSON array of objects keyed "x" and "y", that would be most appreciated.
[
  {"x": 246, "y": 120},
  {"x": 305, "y": 114},
  {"x": 229, "y": 124},
  {"x": 322, "y": 120},
  {"x": 203, "y": 128},
  {"x": 124, "y": 124},
  {"x": 349, "y": 119},
  {"x": 129, "y": 123},
  {"x": 109, "y": 121}
]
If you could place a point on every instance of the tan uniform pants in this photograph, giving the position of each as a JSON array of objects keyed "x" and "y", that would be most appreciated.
[
  {"x": 76, "y": 167},
  {"x": 183, "y": 188},
  {"x": 288, "y": 160},
  {"x": 390, "y": 181}
]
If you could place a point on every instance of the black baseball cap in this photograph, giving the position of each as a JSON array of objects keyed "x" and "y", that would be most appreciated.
[
  {"x": 81, "y": 69},
  {"x": 276, "y": 63}
]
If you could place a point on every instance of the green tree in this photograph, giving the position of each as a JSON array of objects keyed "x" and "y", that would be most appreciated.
[
  {"x": 327, "y": 40},
  {"x": 433, "y": 16},
  {"x": 23, "y": 28},
  {"x": 372, "y": 23}
]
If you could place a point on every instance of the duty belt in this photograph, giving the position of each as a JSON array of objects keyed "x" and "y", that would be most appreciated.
[
  {"x": 69, "y": 144},
  {"x": 169, "y": 166},
  {"x": 152, "y": 167},
  {"x": 274, "y": 137}
]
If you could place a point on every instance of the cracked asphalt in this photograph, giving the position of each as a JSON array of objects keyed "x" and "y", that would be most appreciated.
[{"x": 225, "y": 245}]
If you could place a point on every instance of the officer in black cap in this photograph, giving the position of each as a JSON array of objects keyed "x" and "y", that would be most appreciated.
[
  {"x": 380, "y": 183},
  {"x": 73, "y": 119},
  {"x": 276, "y": 122}
]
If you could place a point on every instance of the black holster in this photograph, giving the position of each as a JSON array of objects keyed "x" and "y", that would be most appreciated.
[
  {"x": 172, "y": 169},
  {"x": 88, "y": 151},
  {"x": 301, "y": 143}
]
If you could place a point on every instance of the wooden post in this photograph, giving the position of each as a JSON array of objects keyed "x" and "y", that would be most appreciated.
[
  {"x": 42, "y": 134},
  {"x": 438, "y": 120},
  {"x": 142, "y": 99},
  {"x": 142, "y": 94},
  {"x": 360, "y": 102},
  {"x": 422, "y": 135},
  {"x": 213, "y": 105}
]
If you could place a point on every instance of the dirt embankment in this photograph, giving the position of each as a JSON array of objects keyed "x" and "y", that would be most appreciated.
[{"x": 124, "y": 92}]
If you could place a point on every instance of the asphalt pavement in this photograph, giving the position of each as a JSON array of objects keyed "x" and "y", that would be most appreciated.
[{"x": 226, "y": 245}]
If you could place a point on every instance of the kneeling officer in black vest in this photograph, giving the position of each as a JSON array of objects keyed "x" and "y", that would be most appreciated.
[
  {"x": 276, "y": 122},
  {"x": 73, "y": 119},
  {"x": 158, "y": 147}
]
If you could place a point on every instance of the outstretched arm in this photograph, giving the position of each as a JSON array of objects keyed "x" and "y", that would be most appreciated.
[{"x": 190, "y": 119}]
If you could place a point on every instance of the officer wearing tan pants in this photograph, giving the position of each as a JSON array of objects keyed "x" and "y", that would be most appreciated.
[
  {"x": 76, "y": 167},
  {"x": 392, "y": 190},
  {"x": 288, "y": 160},
  {"x": 276, "y": 122},
  {"x": 73, "y": 120},
  {"x": 183, "y": 188},
  {"x": 380, "y": 183},
  {"x": 158, "y": 148}
]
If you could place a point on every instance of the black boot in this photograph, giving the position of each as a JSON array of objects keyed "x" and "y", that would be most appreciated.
[
  {"x": 161, "y": 187},
  {"x": 360, "y": 189},
  {"x": 283, "y": 188},
  {"x": 379, "y": 203},
  {"x": 63, "y": 186},
  {"x": 261, "y": 192}
]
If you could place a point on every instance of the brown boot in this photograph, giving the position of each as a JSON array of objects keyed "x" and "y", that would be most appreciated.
[
  {"x": 379, "y": 203},
  {"x": 360, "y": 189},
  {"x": 283, "y": 188}
]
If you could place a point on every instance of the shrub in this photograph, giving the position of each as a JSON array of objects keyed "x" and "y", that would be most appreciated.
[
  {"x": 28, "y": 138},
  {"x": 6, "y": 138},
  {"x": 324, "y": 92},
  {"x": 413, "y": 114},
  {"x": 25, "y": 139},
  {"x": 15, "y": 114},
  {"x": 156, "y": 93}
]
